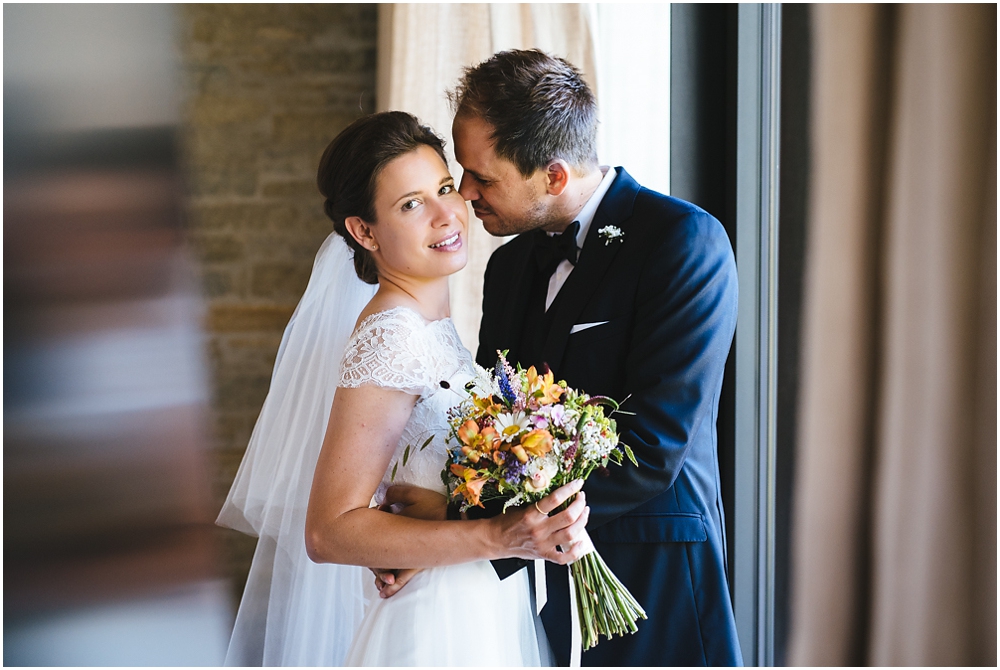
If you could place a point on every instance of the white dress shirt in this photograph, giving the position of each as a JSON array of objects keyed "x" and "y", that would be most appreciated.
[{"x": 585, "y": 217}]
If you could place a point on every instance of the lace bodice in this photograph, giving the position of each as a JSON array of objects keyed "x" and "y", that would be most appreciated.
[{"x": 398, "y": 349}]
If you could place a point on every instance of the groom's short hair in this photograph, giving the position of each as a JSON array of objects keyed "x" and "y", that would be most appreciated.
[{"x": 539, "y": 106}]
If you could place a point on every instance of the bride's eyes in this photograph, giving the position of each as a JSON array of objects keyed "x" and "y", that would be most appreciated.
[{"x": 413, "y": 203}]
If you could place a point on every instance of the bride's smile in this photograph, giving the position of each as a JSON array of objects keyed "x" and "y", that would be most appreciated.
[{"x": 450, "y": 243}]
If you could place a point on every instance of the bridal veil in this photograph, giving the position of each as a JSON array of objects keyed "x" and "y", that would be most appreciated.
[{"x": 294, "y": 611}]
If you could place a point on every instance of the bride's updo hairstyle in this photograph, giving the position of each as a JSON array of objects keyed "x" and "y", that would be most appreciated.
[{"x": 351, "y": 165}]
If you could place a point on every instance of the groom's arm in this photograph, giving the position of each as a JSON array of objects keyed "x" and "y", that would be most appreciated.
[
  {"x": 685, "y": 317},
  {"x": 486, "y": 355}
]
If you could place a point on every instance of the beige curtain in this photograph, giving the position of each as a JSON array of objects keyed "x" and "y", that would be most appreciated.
[
  {"x": 894, "y": 548},
  {"x": 422, "y": 49}
]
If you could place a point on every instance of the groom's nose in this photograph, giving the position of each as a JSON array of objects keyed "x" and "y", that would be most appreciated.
[{"x": 467, "y": 189}]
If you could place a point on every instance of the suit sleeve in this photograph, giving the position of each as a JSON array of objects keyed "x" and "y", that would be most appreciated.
[{"x": 685, "y": 317}]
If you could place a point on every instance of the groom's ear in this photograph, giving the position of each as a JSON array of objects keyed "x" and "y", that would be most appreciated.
[
  {"x": 361, "y": 232},
  {"x": 556, "y": 176}
]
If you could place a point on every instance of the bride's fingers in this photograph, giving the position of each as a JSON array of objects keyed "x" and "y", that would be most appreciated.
[
  {"x": 559, "y": 496},
  {"x": 568, "y": 516},
  {"x": 572, "y": 553},
  {"x": 572, "y": 534}
]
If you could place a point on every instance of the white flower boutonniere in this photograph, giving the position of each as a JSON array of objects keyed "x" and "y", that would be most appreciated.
[{"x": 611, "y": 234}]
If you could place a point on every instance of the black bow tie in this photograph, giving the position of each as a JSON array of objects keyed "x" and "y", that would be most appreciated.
[{"x": 551, "y": 250}]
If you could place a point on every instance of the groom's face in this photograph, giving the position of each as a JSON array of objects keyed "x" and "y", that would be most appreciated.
[{"x": 507, "y": 202}]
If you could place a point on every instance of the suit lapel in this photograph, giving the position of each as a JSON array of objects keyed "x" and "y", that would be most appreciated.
[
  {"x": 514, "y": 296},
  {"x": 595, "y": 259}
]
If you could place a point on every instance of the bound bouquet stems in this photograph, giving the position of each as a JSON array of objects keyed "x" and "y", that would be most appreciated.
[{"x": 606, "y": 606}]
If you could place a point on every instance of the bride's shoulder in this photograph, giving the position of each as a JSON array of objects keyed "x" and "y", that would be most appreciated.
[
  {"x": 403, "y": 316},
  {"x": 391, "y": 347}
]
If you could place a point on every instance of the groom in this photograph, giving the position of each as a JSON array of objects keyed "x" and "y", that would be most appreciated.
[{"x": 622, "y": 292}]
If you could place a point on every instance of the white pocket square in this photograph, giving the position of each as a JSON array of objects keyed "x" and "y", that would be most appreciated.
[{"x": 584, "y": 326}]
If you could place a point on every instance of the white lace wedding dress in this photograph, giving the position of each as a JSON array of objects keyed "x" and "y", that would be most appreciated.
[{"x": 453, "y": 615}]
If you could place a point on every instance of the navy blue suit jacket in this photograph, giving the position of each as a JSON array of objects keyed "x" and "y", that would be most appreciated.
[{"x": 668, "y": 293}]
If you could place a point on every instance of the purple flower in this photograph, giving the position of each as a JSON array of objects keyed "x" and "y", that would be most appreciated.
[
  {"x": 504, "y": 382},
  {"x": 513, "y": 469}
]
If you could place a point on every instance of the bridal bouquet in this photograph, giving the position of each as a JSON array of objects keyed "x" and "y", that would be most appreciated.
[{"x": 518, "y": 436}]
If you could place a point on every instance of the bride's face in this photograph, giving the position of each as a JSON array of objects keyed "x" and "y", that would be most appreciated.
[{"x": 421, "y": 220}]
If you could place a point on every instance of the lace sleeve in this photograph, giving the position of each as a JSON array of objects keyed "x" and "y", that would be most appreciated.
[{"x": 390, "y": 349}]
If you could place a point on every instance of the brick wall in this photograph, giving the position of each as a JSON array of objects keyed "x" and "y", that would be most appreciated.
[{"x": 267, "y": 87}]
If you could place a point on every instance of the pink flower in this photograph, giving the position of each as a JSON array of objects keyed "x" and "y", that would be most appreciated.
[
  {"x": 540, "y": 473},
  {"x": 538, "y": 482},
  {"x": 558, "y": 414}
]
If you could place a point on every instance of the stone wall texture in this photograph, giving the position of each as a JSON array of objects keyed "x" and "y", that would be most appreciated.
[{"x": 267, "y": 86}]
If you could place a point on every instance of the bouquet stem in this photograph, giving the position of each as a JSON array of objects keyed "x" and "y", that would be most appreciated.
[{"x": 606, "y": 606}]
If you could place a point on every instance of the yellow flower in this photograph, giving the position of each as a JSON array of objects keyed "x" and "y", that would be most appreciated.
[{"x": 486, "y": 404}]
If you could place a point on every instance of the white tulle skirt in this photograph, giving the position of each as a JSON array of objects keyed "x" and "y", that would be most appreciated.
[{"x": 453, "y": 616}]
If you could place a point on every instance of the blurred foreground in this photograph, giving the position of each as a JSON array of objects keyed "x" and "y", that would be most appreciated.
[{"x": 107, "y": 534}]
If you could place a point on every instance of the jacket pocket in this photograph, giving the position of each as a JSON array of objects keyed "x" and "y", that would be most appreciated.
[
  {"x": 653, "y": 528},
  {"x": 598, "y": 329}
]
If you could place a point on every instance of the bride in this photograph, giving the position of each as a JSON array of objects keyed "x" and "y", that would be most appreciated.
[{"x": 358, "y": 400}]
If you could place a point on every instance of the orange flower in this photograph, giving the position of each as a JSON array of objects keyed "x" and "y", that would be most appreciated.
[
  {"x": 477, "y": 443},
  {"x": 468, "y": 430},
  {"x": 472, "y": 487},
  {"x": 552, "y": 394},
  {"x": 490, "y": 437},
  {"x": 538, "y": 442},
  {"x": 543, "y": 387}
]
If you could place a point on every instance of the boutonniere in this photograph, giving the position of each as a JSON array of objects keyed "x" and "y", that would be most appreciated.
[{"x": 611, "y": 234}]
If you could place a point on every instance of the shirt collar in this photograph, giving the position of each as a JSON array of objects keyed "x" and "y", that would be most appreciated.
[{"x": 586, "y": 215}]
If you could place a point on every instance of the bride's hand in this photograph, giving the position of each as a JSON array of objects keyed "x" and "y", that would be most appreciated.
[{"x": 531, "y": 533}]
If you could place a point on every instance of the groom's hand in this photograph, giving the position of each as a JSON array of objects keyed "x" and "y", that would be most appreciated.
[
  {"x": 416, "y": 503},
  {"x": 389, "y": 582}
]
